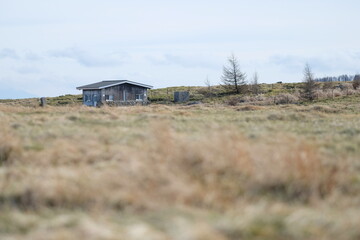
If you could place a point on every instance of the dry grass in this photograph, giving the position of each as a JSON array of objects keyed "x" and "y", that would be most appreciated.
[
  {"x": 288, "y": 97},
  {"x": 180, "y": 172},
  {"x": 249, "y": 108}
]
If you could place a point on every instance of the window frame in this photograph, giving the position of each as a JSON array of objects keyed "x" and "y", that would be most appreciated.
[
  {"x": 109, "y": 98},
  {"x": 139, "y": 97}
]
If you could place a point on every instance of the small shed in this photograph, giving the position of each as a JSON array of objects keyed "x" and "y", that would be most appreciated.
[
  {"x": 116, "y": 92},
  {"x": 180, "y": 97}
]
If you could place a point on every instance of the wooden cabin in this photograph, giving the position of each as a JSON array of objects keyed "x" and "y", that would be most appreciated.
[{"x": 115, "y": 92}]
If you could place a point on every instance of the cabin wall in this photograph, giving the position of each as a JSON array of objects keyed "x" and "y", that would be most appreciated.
[
  {"x": 132, "y": 91},
  {"x": 125, "y": 92},
  {"x": 92, "y": 97},
  {"x": 116, "y": 91}
]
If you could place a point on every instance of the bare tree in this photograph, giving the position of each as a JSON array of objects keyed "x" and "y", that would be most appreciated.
[
  {"x": 207, "y": 83},
  {"x": 255, "y": 88},
  {"x": 232, "y": 78},
  {"x": 208, "y": 86},
  {"x": 309, "y": 84}
]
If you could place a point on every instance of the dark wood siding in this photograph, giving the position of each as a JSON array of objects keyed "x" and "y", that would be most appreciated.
[
  {"x": 129, "y": 90},
  {"x": 116, "y": 91},
  {"x": 92, "y": 97}
]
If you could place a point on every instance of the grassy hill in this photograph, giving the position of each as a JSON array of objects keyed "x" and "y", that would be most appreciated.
[
  {"x": 52, "y": 101},
  {"x": 217, "y": 93},
  {"x": 214, "y": 94}
]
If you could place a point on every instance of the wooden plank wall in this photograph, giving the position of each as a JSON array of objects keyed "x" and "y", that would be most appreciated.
[{"x": 130, "y": 91}]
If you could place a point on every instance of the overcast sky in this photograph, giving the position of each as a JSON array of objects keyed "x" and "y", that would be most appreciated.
[{"x": 48, "y": 47}]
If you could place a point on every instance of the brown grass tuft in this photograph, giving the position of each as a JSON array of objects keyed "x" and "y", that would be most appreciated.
[
  {"x": 249, "y": 108},
  {"x": 10, "y": 147},
  {"x": 297, "y": 173},
  {"x": 324, "y": 109}
]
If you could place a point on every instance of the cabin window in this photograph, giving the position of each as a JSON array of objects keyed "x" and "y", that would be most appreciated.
[
  {"x": 138, "y": 97},
  {"x": 109, "y": 98}
]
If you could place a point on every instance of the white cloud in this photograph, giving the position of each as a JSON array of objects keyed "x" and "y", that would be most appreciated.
[
  {"x": 8, "y": 53},
  {"x": 27, "y": 70},
  {"x": 31, "y": 56},
  {"x": 186, "y": 61},
  {"x": 89, "y": 59},
  {"x": 327, "y": 64}
]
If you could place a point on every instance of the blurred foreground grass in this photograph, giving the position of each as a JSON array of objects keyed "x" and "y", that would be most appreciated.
[{"x": 181, "y": 172}]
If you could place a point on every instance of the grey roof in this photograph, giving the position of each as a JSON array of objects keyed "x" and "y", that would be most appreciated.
[{"x": 110, "y": 83}]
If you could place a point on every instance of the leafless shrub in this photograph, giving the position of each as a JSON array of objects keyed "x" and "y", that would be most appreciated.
[
  {"x": 254, "y": 98},
  {"x": 233, "y": 101},
  {"x": 286, "y": 98},
  {"x": 254, "y": 86},
  {"x": 337, "y": 93},
  {"x": 328, "y": 86},
  {"x": 351, "y": 92},
  {"x": 325, "y": 94}
]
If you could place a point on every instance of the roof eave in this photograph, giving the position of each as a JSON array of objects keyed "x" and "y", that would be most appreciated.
[
  {"x": 81, "y": 88},
  {"x": 140, "y": 84},
  {"x": 115, "y": 84},
  {"x": 130, "y": 82}
]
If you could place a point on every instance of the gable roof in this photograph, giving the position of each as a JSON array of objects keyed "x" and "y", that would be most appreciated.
[{"x": 110, "y": 83}]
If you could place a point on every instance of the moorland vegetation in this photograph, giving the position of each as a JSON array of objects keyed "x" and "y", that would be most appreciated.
[{"x": 257, "y": 166}]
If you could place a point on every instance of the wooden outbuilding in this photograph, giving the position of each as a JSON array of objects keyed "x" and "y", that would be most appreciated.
[{"x": 115, "y": 92}]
